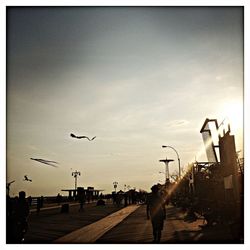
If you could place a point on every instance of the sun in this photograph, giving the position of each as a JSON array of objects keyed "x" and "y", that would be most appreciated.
[{"x": 232, "y": 112}]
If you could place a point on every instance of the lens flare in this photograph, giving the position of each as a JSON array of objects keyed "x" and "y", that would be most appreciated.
[{"x": 232, "y": 112}]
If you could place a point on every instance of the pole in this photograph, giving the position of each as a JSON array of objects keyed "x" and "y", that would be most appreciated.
[
  {"x": 166, "y": 172},
  {"x": 179, "y": 161},
  {"x": 179, "y": 167},
  {"x": 8, "y": 187},
  {"x": 166, "y": 161},
  {"x": 115, "y": 185},
  {"x": 75, "y": 174}
]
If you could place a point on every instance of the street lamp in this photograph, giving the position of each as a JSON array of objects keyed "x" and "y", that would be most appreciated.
[
  {"x": 8, "y": 187},
  {"x": 75, "y": 174},
  {"x": 179, "y": 162},
  {"x": 166, "y": 161},
  {"x": 115, "y": 183}
]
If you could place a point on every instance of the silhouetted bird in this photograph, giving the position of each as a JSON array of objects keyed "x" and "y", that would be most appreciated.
[
  {"x": 82, "y": 137},
  {"x": 27, "y": 179},
  {"x": 51, "y": 163}
]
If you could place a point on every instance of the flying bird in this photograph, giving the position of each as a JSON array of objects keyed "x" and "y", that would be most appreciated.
[
  {"x": 82, "y": 137},
  {"x": 47, "y": 162},
  {"x": 27, "y": 179}
]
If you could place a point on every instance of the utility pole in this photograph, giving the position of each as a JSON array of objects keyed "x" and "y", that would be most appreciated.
[
  {"x": 115, "y": 183},
  {"x": 75, "y": 174}
]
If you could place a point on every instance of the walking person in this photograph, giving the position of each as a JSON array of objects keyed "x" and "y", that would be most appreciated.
[
  {"x": 9, "y": 219},
  {"x": 81, "y": 198},
  {"x": 156, "y": 212},
  {"x": 41, "y": 201},
  {"x": 38, "y": 205},
  {"x": 58, "y": 199},
  {"x": 21, "y": 212}
]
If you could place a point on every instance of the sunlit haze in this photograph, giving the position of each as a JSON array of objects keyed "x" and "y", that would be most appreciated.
[{"x": 136, "y": 78}]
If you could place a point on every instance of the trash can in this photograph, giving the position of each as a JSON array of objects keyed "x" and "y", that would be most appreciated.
[
  {"x": 65, "y": 208},
  {"x": 100, "y": 203}
]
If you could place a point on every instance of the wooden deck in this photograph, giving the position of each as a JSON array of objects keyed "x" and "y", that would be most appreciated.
[
  {"x": 50, "y": 224},
  {"x": 137, "y": 229},
  {"x": 110, "y": 224},
  {"x": 92, "y": 232}
]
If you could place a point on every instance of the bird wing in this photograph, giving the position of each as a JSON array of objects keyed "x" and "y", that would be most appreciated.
[{"x": 93, "y": 138}]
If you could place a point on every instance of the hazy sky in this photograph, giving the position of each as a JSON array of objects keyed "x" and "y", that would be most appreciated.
[{"x": 136, "y": 78}]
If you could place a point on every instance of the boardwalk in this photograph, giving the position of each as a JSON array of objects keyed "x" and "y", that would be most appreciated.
[
  {"x": 137, "y": 229},
  {"x": 92, "y": 232},
  {"x": 109, "y": 224},
  {"x": 50, "y": 224}
]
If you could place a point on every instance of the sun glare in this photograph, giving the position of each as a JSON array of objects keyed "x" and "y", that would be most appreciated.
[{"x": 232, "y": 113}]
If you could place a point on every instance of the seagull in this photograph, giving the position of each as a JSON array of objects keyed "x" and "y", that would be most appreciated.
[
  {"x": 81, "y": 137},
  {"x": 51, "y": 163},
  {"x": 27, "y": 179}
]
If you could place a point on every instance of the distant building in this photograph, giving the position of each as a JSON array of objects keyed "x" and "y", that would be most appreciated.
[{"x": 90, "y": 192}]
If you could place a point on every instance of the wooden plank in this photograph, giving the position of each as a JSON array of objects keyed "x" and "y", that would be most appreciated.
[
  {"x": 90, "y": 233},
  {"x": 51, "y": 224}
]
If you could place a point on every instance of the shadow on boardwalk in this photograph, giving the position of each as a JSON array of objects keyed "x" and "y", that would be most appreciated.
[
  {"x": 51, "y": 225},
  {"x": 137, "y": 229}
]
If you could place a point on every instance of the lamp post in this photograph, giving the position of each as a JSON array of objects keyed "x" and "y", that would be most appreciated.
[
  {"x": 8, "y": 187},
  {"x": 179, "y": 162},
  {"x": 115, "y": 183},
  {"x": 75, "y": 174},
  {"x": 166, "y": 161}
]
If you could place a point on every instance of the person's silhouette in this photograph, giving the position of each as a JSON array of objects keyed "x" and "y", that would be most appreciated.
[
  {"x": 156, "y": 212},
  {"x": 38, "y": 205},
  {"x": 20, "y": 216},
  {"x": 81, "y": 198}
]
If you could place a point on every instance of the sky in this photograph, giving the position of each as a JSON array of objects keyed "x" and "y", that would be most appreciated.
[{"x": 136, "y": 78}]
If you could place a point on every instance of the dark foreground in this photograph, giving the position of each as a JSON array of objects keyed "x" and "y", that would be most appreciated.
[
  {"x": 137, "y": 229},
  {"x": 51, "y": 224},
  {"x": 106, "y": 224}
]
